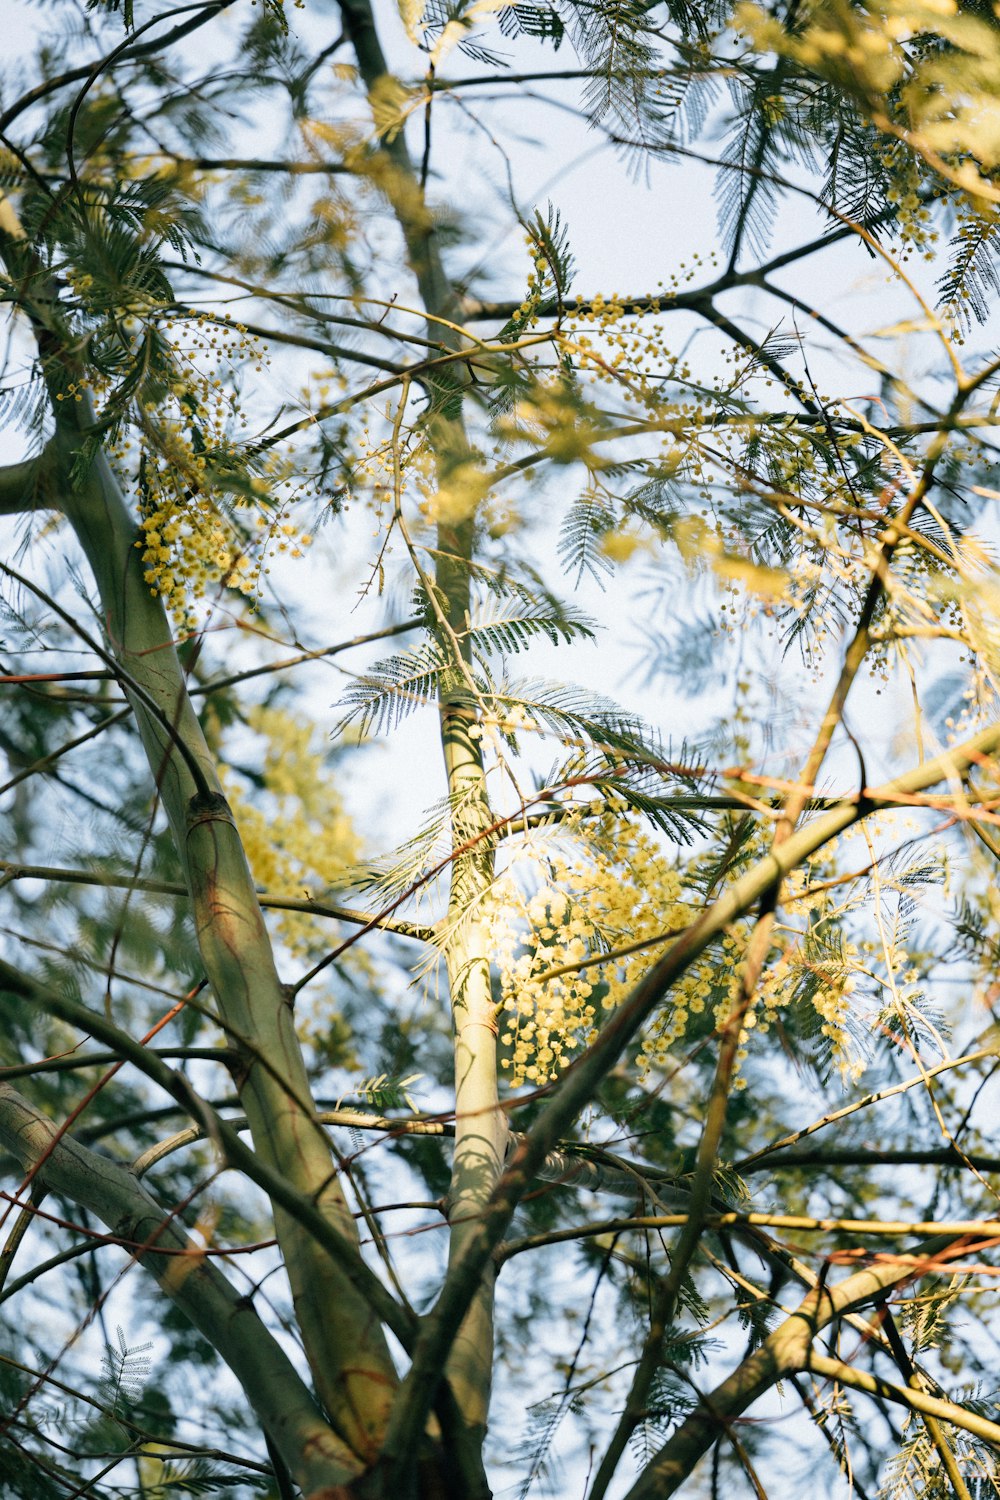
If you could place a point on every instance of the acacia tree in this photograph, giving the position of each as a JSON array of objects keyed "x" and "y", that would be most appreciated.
[{"x": 653, "y": 969}]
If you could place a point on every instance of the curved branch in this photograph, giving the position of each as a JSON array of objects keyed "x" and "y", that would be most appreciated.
[
  {"x": 911, "y": 1397},
  {"x": 786, "y": 1351},
  {"x": 76, "y": 75},
  {"x": 23, "y": 487},
  {"x": 337, "y": 1248},
  {"x": 308, "y": 1445}
]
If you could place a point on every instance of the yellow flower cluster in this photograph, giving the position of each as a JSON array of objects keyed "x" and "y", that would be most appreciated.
[
  {"x": 832, "y": 1005},
  {"x": 711, "y": 984},
  {"x": 812, "y": 947},
  {"x": 561, "y": 945},
  {"x": 187, "y": 543},
  {"x": 621, "y": 890},
  {"x": 297, "y": 835},
  {"x": 625, "y": 341},
  {"x": 527, "y": 313}
]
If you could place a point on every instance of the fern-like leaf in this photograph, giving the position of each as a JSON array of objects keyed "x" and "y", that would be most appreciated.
[
  {"x": 970, "y": 286},
  {"x": 513, "y": 627},
  {"x": 124, "y": 1375},
  {"x": 394, "y": 688}
]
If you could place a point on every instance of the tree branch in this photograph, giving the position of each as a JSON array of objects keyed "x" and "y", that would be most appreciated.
[
  {"x": 144, "y": 49},
  {"x": 582, "y": 1078},
  {"x": 786, "y": 1351},
  {"x": 24, "y": 487},
  {"x": 309, "y": 1447},
  {"x": 760, "y": 1160},
  {"x": 415, "y": 930},
  {"x": 915, "y": 1400},
  {"x": 337, "y": 1248}
]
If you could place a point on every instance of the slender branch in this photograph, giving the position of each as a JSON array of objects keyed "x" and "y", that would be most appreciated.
[
  {"x": 130, "y": 683},
  {"x": 338, "y": 1248},
  {"x": 545, "y": 75},
  {"x": 304, "y": 304},
  {"x": 20, "y": 1228},
  {"x": 660, "y": 302},
  {"x": 46, "y": 1377},
  {"x": 319, "y": 654},
  {"x": 873, "y": 1157},
  {"x": 75, "y": 1061},
  {"x": 255, "y": 164},
  {"x": 45, "y": 761},
  {"x": 286, "y": 1410},
  {"x": 914, "y": 1400},
  {"x": 759, "y": 1160},
  {"x": 803, "y": 1223},
  {"x": 716, "y": 1110},
  {"x": 915, "y": 1382},
  {"x": 305, "y": 904},
  {"x": 352, "y": 1119},
  {"x": 760, "y": 353},
  {"x": 143, "y": 49},
  {"x": 42, "y": 1268},
  {"x": 338, "y": 352},
  {"x": 786, "y": 1351}
]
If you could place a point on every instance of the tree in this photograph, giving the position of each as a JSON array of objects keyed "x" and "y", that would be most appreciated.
[{"x": 658, "y": 973}]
